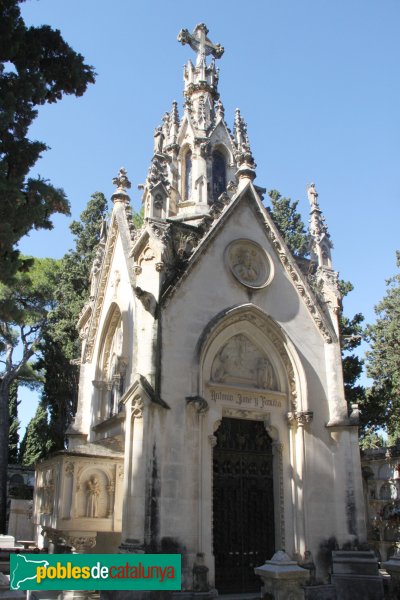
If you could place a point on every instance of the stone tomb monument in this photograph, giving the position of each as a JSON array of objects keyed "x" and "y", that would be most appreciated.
[{"x": 211, "y": 418}]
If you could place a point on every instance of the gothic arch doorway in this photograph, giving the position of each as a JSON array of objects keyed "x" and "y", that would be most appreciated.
[{"x": 243, "y": 504}]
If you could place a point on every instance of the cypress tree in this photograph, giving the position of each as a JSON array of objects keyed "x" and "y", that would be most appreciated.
[
  {"x": 13, "y": 434},
  {"x": 35, "y": 443}
]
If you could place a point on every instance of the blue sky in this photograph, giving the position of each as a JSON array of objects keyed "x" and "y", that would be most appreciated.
[{"x": 317, "y": 81}]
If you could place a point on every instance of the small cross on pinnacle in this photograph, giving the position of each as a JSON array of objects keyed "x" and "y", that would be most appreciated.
[{"x": 199, "y": 42}]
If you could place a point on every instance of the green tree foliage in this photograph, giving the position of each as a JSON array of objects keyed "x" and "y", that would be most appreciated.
[
  {"x": 35, "y": 443},
  {"x": 13, "y": 435},
  {"x": 60, "y": 343},
  {"x": 382, "y": 406},
  {"x": 370, "y": 440},
  {"x": 351, "y": 335},
  {"x": 289, "y": 222},
  {"x": 36, "y": 67},
  {"x": 138, "y": 218},
  {"x": 24, "y": 306}
]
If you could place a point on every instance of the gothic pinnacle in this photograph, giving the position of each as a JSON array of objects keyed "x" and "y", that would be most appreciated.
[
  {"x": 174, "y": 114},
  {"x": 239, "y": 129},
  {"x": 244, "y": 156},
  {"x": 321, "y": 243}
]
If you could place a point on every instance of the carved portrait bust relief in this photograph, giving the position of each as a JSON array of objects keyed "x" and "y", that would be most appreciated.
[{"x": 249, "y": 263}]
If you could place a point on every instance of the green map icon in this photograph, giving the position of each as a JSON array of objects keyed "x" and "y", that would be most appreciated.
[{"x": 24, "y": 569}]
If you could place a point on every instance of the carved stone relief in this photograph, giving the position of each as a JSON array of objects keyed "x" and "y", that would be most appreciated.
[
  {"x": 93, "y": 499},
  {"x": 270, "y": 331},
  {"x": 47, "y": 491},
  {"x": 137, "y": 408},
  {"x": 249, "y": 263},
  {"x": 240, "y": 362}
]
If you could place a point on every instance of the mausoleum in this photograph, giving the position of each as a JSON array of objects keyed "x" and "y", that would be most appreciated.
[{"x": 211, "y": 418}]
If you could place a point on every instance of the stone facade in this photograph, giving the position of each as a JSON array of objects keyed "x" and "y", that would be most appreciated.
[{"x": 204, "y": 337}]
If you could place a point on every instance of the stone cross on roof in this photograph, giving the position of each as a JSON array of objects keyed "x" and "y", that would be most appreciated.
[{"x": 199, "y": 42}]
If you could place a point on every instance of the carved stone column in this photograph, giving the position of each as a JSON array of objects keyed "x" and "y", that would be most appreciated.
[
  {"x": 277, "y": 450},
  {"x": 297, "y": 422},
  {"x": 133, "y": 519}
]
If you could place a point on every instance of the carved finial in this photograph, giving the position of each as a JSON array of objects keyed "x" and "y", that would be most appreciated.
[
  {"x": 122, "y": 182},
  {"x": 199, "y": 42}
]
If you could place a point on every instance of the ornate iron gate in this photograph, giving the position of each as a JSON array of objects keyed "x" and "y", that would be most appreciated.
[{"x": 243, "y": 504}]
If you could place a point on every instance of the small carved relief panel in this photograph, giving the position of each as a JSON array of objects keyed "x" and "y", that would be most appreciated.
[
  {"x": 240, "y": 362},
  {"x": 47, "y": 491},
  {"x": 249, "y": 263},
  {"x": 93, "y": 494}
]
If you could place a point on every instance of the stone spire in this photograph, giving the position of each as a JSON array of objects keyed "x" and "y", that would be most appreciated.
[
  {"x": 243, "y": 155},
  {"x": 326, "y": 278},
  {"x": 196, "y": 160},
  {"x": 321, "y": 244}
]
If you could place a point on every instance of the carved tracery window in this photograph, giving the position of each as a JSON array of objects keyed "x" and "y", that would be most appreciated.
[{"x": 218, "y": 174}]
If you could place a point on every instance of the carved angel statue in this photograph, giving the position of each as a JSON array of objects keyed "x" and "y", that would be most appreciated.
[{"x": 92, "y": 497}]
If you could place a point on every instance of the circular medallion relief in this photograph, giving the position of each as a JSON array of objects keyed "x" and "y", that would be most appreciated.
[{"x": 249, "y": 263}]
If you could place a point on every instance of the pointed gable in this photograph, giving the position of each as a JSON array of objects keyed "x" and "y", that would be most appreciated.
[{"x": 249, "y": 197}]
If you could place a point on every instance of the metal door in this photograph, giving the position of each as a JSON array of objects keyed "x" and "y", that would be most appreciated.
[{"x": 243, "y": 505}]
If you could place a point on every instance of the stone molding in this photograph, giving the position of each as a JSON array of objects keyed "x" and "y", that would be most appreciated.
[{"x": 101, "y": 290}]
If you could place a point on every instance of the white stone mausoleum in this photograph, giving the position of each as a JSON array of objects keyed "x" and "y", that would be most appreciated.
[{"x": 211, "y": 418}]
